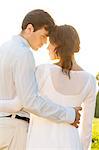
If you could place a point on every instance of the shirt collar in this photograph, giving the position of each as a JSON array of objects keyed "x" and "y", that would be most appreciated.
[{"x": 22, "y": 40}]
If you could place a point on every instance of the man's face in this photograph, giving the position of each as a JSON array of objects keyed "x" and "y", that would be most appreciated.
[{"x": 38, "y": 39}]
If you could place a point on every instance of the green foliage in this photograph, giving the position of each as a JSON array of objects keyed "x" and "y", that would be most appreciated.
[
  {"x": 95, "y": 135},
  {"x": 97, "y": 76},
  {"x": 97, "y": 106}
]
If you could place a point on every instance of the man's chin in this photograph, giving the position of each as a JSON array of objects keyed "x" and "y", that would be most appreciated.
[{"x": 35, "y": 49}]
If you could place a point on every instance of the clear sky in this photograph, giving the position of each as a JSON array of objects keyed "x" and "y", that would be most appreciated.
[{"x": 82, "y": 14}]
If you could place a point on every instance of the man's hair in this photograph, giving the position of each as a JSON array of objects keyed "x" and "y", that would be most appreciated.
[{"x": 39, "y": 19}]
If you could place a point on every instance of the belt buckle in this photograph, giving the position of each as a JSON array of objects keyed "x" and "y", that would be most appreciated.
[{"x": 13, "y": 115}]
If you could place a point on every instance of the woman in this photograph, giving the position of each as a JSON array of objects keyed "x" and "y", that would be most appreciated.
[{"x": 69, "y": 85}]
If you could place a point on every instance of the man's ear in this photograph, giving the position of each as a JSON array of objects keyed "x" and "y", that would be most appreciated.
[{"x": 29, "y": 29}]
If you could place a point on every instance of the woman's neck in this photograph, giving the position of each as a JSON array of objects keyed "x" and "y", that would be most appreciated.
[{"x": 75, "y": 66}]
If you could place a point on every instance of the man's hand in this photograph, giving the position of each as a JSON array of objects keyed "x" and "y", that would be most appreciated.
[{"x": 77, "y": 119}]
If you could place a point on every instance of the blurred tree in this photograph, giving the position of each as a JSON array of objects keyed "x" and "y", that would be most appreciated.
[
  {"x": 97, "y": 78},
  {"x": 97, "y": 99},
  {"x": 97, "y": 106}
]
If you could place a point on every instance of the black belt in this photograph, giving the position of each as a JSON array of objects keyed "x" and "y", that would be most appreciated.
[{"x": 19, "y": 117}]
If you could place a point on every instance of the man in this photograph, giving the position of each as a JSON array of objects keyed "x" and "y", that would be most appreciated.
[{"x": 17, "y": 78}]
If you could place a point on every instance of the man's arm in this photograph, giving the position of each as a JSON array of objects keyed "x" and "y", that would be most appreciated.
[{"x": 27, "y": 92}]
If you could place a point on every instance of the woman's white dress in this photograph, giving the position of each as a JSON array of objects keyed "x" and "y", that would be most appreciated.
[{"x": 80, "y": 89}]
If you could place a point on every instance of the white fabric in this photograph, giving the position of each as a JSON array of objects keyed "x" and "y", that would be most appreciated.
[
  {"x": 80, "y": 89},
  {"x": 13, "y": 134},
  {"x": 14, "y": 106},
  {"x": 17, "y": 78}
]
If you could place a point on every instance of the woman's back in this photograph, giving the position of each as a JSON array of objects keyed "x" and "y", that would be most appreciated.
[{"x": 55, "y": 85}]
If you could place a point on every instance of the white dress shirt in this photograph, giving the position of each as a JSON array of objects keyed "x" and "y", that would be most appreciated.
[{"x": 17, "y": 78}]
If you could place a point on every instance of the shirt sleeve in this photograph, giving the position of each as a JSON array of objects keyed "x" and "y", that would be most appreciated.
[
  {"x": 27, "y": 91},
  {"x": 87, "y": 115}
]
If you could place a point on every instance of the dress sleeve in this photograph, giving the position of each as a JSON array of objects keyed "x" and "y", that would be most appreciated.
[{"x": 88, "y": 109}]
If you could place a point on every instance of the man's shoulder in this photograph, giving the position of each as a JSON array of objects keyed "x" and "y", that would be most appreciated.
[
  {"x": 19, "y": 46},
  {"x": 13, "y": 46}
]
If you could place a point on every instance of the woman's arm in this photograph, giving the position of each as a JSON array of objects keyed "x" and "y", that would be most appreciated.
[{"x": 88, "y": 109}]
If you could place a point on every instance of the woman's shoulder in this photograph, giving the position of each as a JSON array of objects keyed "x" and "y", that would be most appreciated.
[
  {"x": 80, "y": 70},
  {"x": 42, "y": 72},
  {"x": 84, "y": 72},
  {"x": 86, "y": 76},
  {"x": 91, "y": 79},
  {"x": 43, "y": 67},
  {"x": 91, "y": 76}
]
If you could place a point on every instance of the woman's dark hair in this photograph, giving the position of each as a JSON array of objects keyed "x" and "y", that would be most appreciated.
[
  {"x": 67, "y": 40},
  {"x": 39, "y": 19}
]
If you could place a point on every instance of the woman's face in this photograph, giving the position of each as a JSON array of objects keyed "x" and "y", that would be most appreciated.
[{"x": 52, "y": 53}]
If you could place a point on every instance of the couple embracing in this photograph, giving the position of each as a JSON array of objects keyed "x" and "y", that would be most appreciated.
[{"x": 40, "y": 107}]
